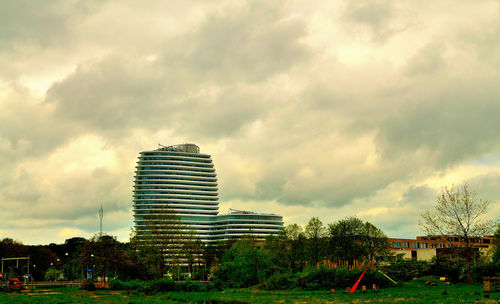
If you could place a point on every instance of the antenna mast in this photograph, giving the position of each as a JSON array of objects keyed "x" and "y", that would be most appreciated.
[{"x": 101, "y": 214}]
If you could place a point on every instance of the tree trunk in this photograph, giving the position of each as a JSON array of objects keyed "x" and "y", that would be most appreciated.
[{"x": 469, "y": 278}]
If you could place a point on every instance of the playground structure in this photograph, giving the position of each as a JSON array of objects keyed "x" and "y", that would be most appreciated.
[{"x": 17, "y": 271}]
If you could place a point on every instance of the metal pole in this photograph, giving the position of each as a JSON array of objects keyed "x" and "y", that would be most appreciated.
[{"x": 101, "y": 214}]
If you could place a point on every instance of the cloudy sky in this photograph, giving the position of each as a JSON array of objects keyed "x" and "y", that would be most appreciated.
[{"x": 309, "y": 108}]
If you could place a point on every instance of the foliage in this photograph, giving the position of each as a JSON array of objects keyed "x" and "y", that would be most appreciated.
[
  {"x": 11, "y": 248},
  {"x": 352, "y": 239},
  {"x": 326, "y": 279},
  {"x": 496, "y": 241},
  {"x": 479, "y": 271},
  {"x": 162, "y": 285},
  {"x": 316, "y": 234},
  {"x": 88, "y": 285},
  {"x": 287, "y": 249},
  {"x": 374, "y": 241},
  {"x": 105, "y": 256},
  {"x": 280, "y": 281},
  {"x": 458, "y": 212},
  {"x": 166, "y": 241},
  {"x": 52, "y": 274},
  {"x": 244, "y": 264},
  {"x": 407, "y": 269},
  {"x": 450, "y": 267}
]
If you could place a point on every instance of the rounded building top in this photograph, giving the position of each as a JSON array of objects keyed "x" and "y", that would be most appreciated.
[{"x": 187, "y": 148}]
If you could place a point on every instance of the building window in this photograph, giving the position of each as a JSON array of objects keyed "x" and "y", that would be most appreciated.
[
  {"x": 414, "y": 245},
  {"x": 441, "y": 245},
  {"x": 433, "y": 245},
  {"x": 423, "y": 245},
  {"x": 396, "y": 244},
  {"x": 406, "y": 244}
]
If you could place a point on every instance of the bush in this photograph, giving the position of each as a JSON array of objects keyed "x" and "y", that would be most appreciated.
[
  {"x": 407, "y": 269},
  {"x": 324, "y": 278},
  {"x": 192, "y": 286},
  {"x": 450, "y": 267},
  {"x": 52, "y": 274},
  {"x": 163, "y": 285},
  {"x": 88, "y": 285},
  {"x": 484, "y": 270},
  {"x": 117, "y": 285},
  {"x": 280, "y": 281}
]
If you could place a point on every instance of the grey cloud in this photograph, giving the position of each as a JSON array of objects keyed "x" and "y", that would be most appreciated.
[
  {"x": 427, "y": 60},
  {"x": 33, "y": 32},
  {"x": 27, "y": 23},
  {"x": 29, "y": 129},
  {"x": 79, "y": 196},
  {"x": 375, "y": 16},
  {"x": 486, "y": 187},
  {"x": 417, "y": 195},
  {"x": 249, "y": 44},
  {"x": 113, "y": 94},
  {"x": 453, "y": 123}
]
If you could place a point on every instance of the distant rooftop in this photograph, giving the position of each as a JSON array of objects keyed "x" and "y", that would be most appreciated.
[
  {"x": 187, "y": 148},
  {"x": 235, "y": 211}
]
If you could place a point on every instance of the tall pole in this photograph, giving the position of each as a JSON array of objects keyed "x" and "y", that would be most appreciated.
[{"x": 101, "y": 214}]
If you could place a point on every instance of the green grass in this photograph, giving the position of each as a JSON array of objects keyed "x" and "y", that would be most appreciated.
[{"x": 411, "y": 292}]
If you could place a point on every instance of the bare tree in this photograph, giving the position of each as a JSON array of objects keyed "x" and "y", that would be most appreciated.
[
  {"x": 160, "y": 240},
  {"x": 458, "y": 212}
]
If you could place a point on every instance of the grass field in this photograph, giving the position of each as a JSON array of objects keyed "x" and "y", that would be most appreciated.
[{"x": 411, "y": 292}]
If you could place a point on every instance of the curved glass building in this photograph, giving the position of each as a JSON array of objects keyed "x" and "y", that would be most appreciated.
[
  {"x": 182, "y": 181},
  {"x": 237, "y": 224}
]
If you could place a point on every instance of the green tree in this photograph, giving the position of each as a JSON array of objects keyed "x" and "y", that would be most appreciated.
[
  {"x": 374, "y": 241},
  {"x": 104, "y": 255},
  {"x": 245, "y": 264},
  {"x": 52, "y": 274},
  {"x": 496, "y": 242},
  {"x": 288, "y": 248},
  {"x": 458, "y": 212},
  {"x": 192, "y": 250},
  {"x": 11, "y": 248},
  {"x": 346, "y": 239},
  {"x": 316, "y": 234},
  {"x": 352, "y": 239}
]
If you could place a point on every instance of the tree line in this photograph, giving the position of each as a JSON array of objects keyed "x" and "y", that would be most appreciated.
[
  {"x": 296, "y": 253},
  {"x": 292, "y": 250}
]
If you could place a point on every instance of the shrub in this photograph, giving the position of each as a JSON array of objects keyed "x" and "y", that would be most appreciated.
[
  {"x": 117, "y": 285},
  {"x": 450, "y": 267},
  {"x": 323, "y": 278},
  {"x": 163, "y": 285},
  {"x": 245, "y": 264},
  {"x": 280, "y": 281},
  {"x": 191, "y": 286},
  {"x": 88, "y": 285},
  {"x": 484, "y": 270},
  {"x": 407, "y": 269}
]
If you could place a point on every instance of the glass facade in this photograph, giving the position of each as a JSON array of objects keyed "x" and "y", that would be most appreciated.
[{"x": 182, "y": 181}]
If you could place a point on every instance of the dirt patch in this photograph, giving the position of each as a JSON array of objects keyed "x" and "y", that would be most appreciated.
[{"x": 42, "y": 293}]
